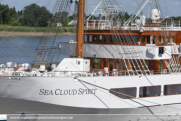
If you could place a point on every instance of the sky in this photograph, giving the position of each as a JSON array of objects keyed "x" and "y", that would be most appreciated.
[{"x": 128, "y": 5}]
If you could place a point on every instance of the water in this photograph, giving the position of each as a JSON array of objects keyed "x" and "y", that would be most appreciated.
[{"x": 23, "y": 49}]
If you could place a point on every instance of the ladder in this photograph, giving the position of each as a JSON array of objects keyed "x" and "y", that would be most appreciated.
[{"x": 46, "y": 50}]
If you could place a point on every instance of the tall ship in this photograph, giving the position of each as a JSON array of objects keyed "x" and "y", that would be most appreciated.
[{"x": 115, "y": 66}]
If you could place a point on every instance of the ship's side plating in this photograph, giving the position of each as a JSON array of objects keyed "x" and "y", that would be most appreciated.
[{"x": 92, "y": 95}]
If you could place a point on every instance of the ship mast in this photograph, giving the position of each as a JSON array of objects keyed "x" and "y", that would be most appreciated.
[{"x": 80, "y": 28}]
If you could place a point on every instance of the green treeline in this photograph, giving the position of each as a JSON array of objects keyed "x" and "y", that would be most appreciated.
[
  {"x": 35, "y": 16},
  {"x": 32, "y": 15},
  {"x": 8, "y": 15}
]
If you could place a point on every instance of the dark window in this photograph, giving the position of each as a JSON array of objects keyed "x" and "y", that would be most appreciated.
[
  {"x": 123, "y": 65},
  {"x": 120, "y": 39},
  {"x": 113, "y": 38},
  {"x": 158, "y": 38},
  {"x": 117, "y": 65},
  {"x": 172, "y": 89},
  {"x": 100, "y": 38},
  {"x": 161, "y": 50},
  {"x": 148, "y": 64},
  {"x": 136, "y": 39},
  {"x": 143, "y": 39},
  {"x": 110, "y": 65},
  {"x": 153, "y": 39},
  {"x": 106, "y": 38},
  {"x": 104, "y": 63},
  {"x": 150, "y": 91},
  {"x": 148, "y": 39},
  {"x": 95, "y": 64},
  {"x": 90, "y": 38},
  {"x": 95, "y": 38},
  {"x": 134, "y": 65},
  {"x": 160, "y": 65},
  {"x": 85, "y": 38},
  {"x": 127, "y": 39}
]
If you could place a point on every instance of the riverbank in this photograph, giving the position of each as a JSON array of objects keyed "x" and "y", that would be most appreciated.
[
  {"x": 34, "y": 29},
  {"x": 34, "y": 34},
  {"x": 6, "y": 30}
]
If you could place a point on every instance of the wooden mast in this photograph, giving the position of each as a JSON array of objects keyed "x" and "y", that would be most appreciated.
[{"x": 80, "y": 28}]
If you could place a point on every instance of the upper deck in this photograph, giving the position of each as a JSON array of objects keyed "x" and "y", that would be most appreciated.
[{"x": 96, "y": 32}]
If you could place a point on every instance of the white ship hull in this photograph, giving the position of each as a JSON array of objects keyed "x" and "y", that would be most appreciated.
[{"x": 55, "y": 95}]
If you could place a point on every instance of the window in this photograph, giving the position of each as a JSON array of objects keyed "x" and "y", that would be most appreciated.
[
  {"x": 160, "y": 65},
  {"x": 158, "y": 39},
  {"x": 152, "y": 39},
  {"x": 123, "y": 65},
  {"x": 107, "y": 38},
  {"x": 161, "y": 50},
  {"x": 166, "y": 39},
  {"x": 172, "y": 89},
  {"x": 117, "y": 65},
  {"x": 143, "y": 39},
  {"x": 136, "y": 39},
  {"x": 150, "y": 91},
  {"x": 148, "y": 39},
  {"x": 104, "y": 63},
  {"x": 120, "y": 39},
  {"x": 90, "y": 38},
  {"x": 113, "y": 38},
  {"x": 110, "y": 65},
  {"x": 95, "y": 64},
  {"x": 85, "y": 38},
  {"x": 172, "y": 39},
  {"x": 148, "y": 64},
  {"x": 162, "y": 39},
  {"x": 125, "y": 93},
  {"x": 95, "y": 39},
  {"x": 134, "y": 65},
  {"x": 127, "y": 39},
  {"x": 100, "y": 38}
]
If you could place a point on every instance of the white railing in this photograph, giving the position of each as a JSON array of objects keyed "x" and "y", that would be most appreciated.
[
  {"x": 18, "y": 75},
  {"x": 107, "y": 25}
]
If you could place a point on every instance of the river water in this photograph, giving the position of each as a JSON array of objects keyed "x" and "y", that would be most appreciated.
[{"x": 23, "y": 49}]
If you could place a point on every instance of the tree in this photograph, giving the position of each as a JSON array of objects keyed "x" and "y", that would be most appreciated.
[
  {"x": 14, "y": 11},
  {"x": 5, "y": 14},
  {"x": 126, "y": 15},
  {"x": 20, "y": 13},
  {"x": 1, "y": 19},
  {"x": 11, "y": 11},
  {"x": 35, "y": 14}
]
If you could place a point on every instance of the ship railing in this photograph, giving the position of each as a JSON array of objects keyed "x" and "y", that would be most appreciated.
[
  {"x": 95, "y": 73},
  {"x": 107, "y": 25}
]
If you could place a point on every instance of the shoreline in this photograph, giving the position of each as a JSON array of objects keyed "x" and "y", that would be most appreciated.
[{"x": 34, "y": 34}]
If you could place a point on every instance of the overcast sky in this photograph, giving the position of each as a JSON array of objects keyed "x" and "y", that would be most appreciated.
[{"x": 128, "y": 5}]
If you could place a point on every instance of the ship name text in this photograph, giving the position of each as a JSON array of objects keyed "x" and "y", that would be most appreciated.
[{"x": 67, "y": 92}]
